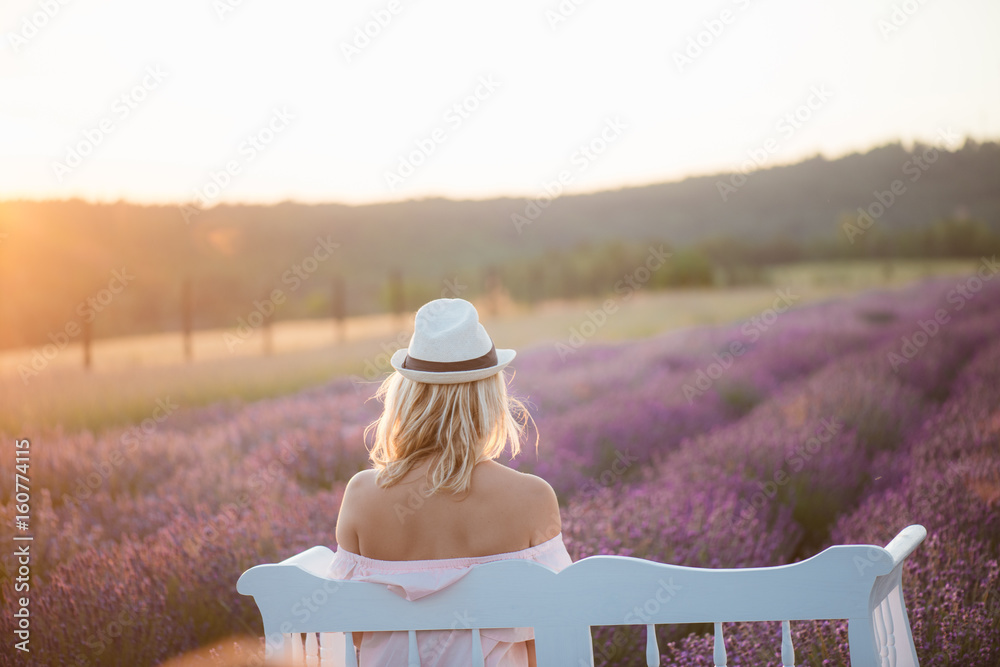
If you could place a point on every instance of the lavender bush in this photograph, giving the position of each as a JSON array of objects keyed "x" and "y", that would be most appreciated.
[{"x": 823, "y": 430}]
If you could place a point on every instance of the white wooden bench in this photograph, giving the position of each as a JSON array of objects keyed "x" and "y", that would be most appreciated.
[{"x": 860, "y": 583}]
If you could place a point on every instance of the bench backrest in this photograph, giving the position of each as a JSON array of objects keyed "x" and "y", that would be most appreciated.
[{"x": 861, "y": 583}]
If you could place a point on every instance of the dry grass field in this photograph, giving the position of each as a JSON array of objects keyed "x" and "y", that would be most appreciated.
[{"x": 129, "y": 375}]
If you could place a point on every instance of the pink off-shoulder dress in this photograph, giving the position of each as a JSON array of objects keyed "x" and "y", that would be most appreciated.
[{"x": 413, "y": 579}]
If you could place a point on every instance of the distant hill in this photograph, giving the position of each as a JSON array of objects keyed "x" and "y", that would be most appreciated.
[{"x": 54, "y": 255}]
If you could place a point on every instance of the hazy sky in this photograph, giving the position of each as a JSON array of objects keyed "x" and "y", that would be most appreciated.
[{"x": 259, "y": 100}]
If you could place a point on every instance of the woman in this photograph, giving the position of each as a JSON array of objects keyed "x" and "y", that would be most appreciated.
[{"x": 436, "y": 502}]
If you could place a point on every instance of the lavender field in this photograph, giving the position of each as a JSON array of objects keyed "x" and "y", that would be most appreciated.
[{"x": 758, "y": 443}]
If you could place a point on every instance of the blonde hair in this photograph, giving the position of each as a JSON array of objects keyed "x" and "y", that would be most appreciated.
[{"x": 458, "y": 425}]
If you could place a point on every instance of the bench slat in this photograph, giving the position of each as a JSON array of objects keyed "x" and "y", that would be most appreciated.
[
  {"x": 330, "y": 645},
  {"x": 886, "y": 634},
  {"x": 413, "y": 657},
  {"x": 906, "y": 652},
  {"x": 652, "y": 650},
  {"x": 477, "y": 649},
  {"x": 350, "y": 654},
  {"x": 719, "y": 655},
  {"x": 312, "y": 650},
  {"x": 787, "y": 650}
]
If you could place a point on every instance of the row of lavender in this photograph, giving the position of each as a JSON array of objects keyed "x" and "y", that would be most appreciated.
[
  {"x": 718, "y": 447},
  {"x": 850, "y": 453},
  {"x": 946, "y": 476}
]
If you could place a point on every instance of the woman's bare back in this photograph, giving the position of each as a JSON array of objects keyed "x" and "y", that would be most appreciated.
[{"x": 505, "y": 510}]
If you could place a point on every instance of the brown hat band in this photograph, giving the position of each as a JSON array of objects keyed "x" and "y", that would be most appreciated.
[{"x": 486, "y": 361}]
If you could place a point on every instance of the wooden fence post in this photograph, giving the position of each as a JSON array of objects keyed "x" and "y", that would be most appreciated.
[
  {"x": 267, "y": 342},
  {"x": 491, "y": 287},
  {"x": 536, "y": 285},
  {"x": 338, "y": 309},
  {"x": 86, "y": 344},
  {"x": 186, "y": 318},
  {"x": 396, "y": 300}
]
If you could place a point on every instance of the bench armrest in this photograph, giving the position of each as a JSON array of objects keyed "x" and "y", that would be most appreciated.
[
  {"x": 315, "y": 560},
  {"x": 905, "y": 542}
]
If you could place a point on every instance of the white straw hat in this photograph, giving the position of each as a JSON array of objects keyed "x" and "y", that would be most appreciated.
[{"x": 449, "y": 346}]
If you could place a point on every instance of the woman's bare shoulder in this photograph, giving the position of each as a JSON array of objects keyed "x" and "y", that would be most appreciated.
[
  {"x": 524, "y": 481},
  {"x": 352, "y": 507},
  {"x": 361, "y": 483},
  {"x": 498, "y": 473},
  {"x": 357, "y": 495},
  {"x": 364, "y": 477},
  {"x": 533, "y": 499}
]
